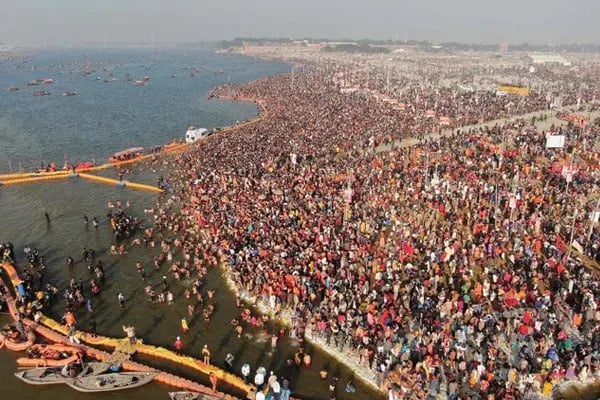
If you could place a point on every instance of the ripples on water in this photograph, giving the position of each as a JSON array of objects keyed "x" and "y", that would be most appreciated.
[{"x": 106, "y": 117}]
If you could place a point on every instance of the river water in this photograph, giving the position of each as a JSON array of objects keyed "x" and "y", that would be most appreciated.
[{"x": 102, "y": 118}]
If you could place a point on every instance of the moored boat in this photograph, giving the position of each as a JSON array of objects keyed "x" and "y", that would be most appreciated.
[
  {"x": 53, "y": 375},
  {"x": 84, "y": 166},
  {"x": 110, "y": 382},
  {"x": 171, "y": 146},
  {"x": 41, "y": 93},
  {"x": 190, "y": 396},
  {"x": 72, "y": 93},
  {"x": 126, "y": 155},
  {"x": 12, "y": 89},
  {"x": 193, "y": 134},
  {"x": 41, "y": 355}
]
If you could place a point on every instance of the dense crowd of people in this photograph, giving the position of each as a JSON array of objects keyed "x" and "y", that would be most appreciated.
[
  {"x": 458, "y": 265},
  {"x": 440, "y": 263}
]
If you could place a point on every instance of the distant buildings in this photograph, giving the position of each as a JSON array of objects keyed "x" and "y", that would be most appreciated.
[{"x": 548, "y": 59}]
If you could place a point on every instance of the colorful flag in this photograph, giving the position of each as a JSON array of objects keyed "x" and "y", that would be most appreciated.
[{"x": 560, "y": 244}]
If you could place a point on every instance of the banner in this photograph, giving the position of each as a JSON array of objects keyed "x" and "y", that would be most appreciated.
[
  {"x": 555, "y": 141},
  {"x": 518, "y": 90}
]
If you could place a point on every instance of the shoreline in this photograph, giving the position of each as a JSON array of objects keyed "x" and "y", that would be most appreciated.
[{"x": 349, "y": 358}]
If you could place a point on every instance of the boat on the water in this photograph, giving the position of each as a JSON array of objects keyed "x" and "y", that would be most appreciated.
[
  {"x": 41, "y": 93},
  {"x": 53, "y": 375},
  {"x": 51, "y": 355},
  {"x": 110, "y": 382},
  {"x": 12, "y": 89},
  {"x": 193, "y": 134},
  {"x": 138, "y": 83},
  {"x": 126, "y": 155},
  {"x": 171, "y": 146},
  {"x": 191, "y": 396},
  {"x": 73, "y": 93}
]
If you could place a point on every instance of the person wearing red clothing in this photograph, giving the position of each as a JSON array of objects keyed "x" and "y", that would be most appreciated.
[{"x": 178, "y": 344}]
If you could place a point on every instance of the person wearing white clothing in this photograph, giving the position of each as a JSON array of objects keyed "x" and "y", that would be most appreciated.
[
  {"x": 245, "y": 372},
  {"x": 259, "y": 379}
]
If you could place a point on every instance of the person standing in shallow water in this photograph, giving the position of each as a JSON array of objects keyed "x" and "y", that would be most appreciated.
[
  {"x": 206, "y": 354},
  {"x": 184, "y": 326},
  {"x": 93, "y": 327},
  {"x": 178, "y": 345},
  {"x": 121, "y": 298},
  {"x": 130, "y": 331}
]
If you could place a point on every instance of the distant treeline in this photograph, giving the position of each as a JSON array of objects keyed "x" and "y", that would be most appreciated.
[{"x": 420, "y": 44}]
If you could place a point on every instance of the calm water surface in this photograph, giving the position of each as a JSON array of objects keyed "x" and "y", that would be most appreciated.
[{"x": 101, "y": 119}]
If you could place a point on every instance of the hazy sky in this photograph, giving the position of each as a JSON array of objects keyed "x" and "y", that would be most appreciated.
[{"x": 60, "y": 22}]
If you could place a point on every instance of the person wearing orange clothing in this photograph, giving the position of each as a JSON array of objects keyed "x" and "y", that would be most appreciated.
[
  {"x": 213, "y": 381},
  {"x": 70, "y": 319}
]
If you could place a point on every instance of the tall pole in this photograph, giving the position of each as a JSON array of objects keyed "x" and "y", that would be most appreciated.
[
  {"x": 572, "y": 234},
  {"x": 592, "y": 220},
  {"x": 426, "y": 170}
]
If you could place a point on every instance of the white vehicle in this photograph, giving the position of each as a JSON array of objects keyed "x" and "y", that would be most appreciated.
[{"x": 194, "y": 134}]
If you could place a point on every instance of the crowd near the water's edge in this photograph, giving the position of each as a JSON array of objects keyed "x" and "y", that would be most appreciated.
[{"x": 463, "y": 264}]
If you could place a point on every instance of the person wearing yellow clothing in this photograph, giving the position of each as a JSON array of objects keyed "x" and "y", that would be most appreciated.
[
  {"x": 547, "y": 388},
  {"x": 184, "y": 326}
]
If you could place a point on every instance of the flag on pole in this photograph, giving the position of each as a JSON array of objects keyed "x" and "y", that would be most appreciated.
[{"x": 560, "y": 244}]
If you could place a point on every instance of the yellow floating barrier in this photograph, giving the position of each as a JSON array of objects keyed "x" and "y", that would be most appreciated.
[
  {"x": 153, "y": 351},
  {"x": 132, "y": 185},
  {"x": 34, "y": 179},
  {"x": 56, "y": 333}
]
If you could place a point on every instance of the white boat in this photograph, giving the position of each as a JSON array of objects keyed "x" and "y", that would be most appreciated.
[
  {"x": 110, "y": 382},
  {"x": 52, "y": 375},
  {"x": 192, "y": 135},
  {"x": 190, "y": 396}
]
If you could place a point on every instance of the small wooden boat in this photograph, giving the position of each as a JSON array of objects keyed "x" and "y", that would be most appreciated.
[
  {"x": 190, "y": 396},
  {"x": 110, "y": 382},
  {"x": 126, "y": 155},
  {"x": 41, "y": 355},
  {"x": 171, "y": 146},
  {"x": 53, "y": 375}
]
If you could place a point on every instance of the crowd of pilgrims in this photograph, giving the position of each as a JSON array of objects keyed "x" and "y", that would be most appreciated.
[
  {"x": 124, "y": 225},
  {"x": 438, "y": 267}
]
